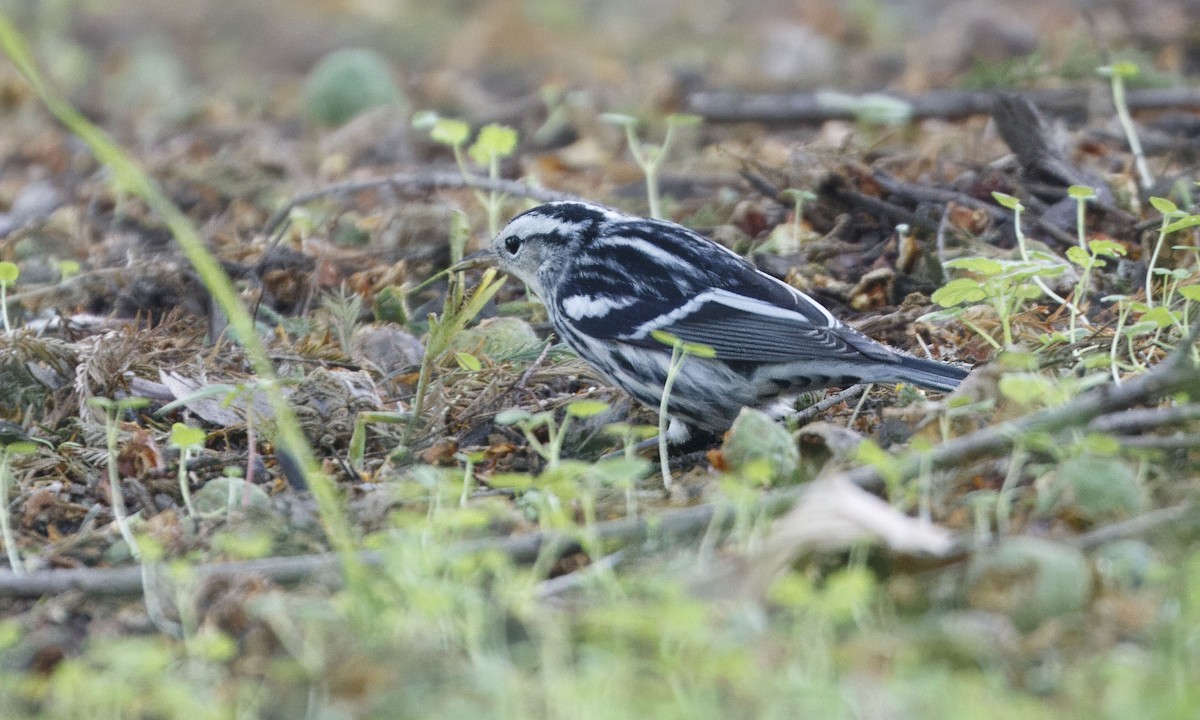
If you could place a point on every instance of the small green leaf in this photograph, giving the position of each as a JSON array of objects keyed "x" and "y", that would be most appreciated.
[
  {"x": 586, "y": 408},
  {"x": 424, "y": 120},
  {"x": 1008, "y": 201},
  {"x": 699, "y": 349},
  {"x": 619, "y": 119},
  {"x": 1182, "y": 224},
  {"x": 1123, "y": 69},
  {"x": 11, "y": 632},
  {"x": 1025, "y": 388},
  {"x": 1028, "y": 291},
  {"x": 1095, "y": 362},
  {"x": 467, "y": 361},
  {"x": 1139, "y": 329},
  {"x": 450, "y": 132},
  {"x": 21, "y": 447},
  {"x": 683, "y": 119},
  {"x": 620, "y": 471},
  {"x": 1164, "y": 206},
  {"x": 1018, "y": 360},
  {"x": 512, "y": 417},
  {"x": 1190, "y": 292},
  {"x": 184, "y": 436},
  {"x": 665, "y": 337},
  {"x": 1160, "y": 315},
  {"x": 958, "y": 292},
  {"x": 978, "y": 265},
  {"x": 67, "y": 268},
  {"x": 689, "y": 348},
  {"x": 1081, "y": 192},
  {"x": 1079, "y": 256},
  {"x": 1109, "y": 248},
  {"x": 517, "y": 482},
  {"x": 801, "y": 195},
  {"x": 8, "y": 272},
  {"x": 867, "y": 452},
  {"x": 213, "y": 646},
  {"x": 637, "y": 432},
  {"x": 494, "y": 141}
]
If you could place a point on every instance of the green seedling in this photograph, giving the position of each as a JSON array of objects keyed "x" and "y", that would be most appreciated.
[
  {"x": 1171, "y": 215},
  {"x": 188, "y": 440},
  {"x": 112, "y": 412},
  {"x": 680, "y": 350},
  {"x": 1053, "y": 266},
  {"x": 870, "y": 109},
  {"x": 345, "y": 309},
  {"x": 468, "y": 460},
  {"x": 67, "y": 269},
  {"x": 1003, "y": 284},
  {"x": 493, "y": 143},
  {"x": 1081, "y": 256},
  {"x": 1007, "y": 284},
  {"x": 1174, "y": 220},
  {"x": 251, "y": 392},
  {"x": 529, "y": 423},
  {"x": 358, "y": 439},
  {"x": 8, "y": 449},
  {"x": 1117, "y": 73},
  {"x": 9, "y": 272},
  {"x": 455, "y": 316},
  {"x": 650, "y": 157},
  {"x": 630, "y": 436},
  {"x": 799, "y": 198}
]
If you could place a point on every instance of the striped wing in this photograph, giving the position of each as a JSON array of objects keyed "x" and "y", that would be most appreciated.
[
  {"x": 751, "y": 330},
  {"x": 643, "y": 275}
]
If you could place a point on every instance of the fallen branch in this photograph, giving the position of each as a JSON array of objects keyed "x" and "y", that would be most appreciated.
[
  {"x": 414, "y": 183},
  {"x": 1140, "y": 419},
  {"x": 883, "y": 209},
  {"x": 1030, "y": 138},
  {"x": 916, "y": 193},
  {"x": 819, "y": 408},
  {"x": 793, "y": 108},
  {"x": 674, "y": 525},
  {"x": 1134, "y": 526}
]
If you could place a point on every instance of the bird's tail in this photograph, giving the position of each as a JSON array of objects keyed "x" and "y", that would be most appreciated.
[{"x": 929, "y": 374}]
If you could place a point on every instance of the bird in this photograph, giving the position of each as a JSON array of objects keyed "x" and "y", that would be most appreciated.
[{"x": 610, "y": 281}]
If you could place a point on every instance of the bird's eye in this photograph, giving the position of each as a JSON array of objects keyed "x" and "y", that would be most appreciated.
[{"x": 512, "y": 244}]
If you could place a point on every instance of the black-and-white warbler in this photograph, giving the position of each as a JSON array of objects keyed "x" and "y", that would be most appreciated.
[{"x": 610, "y": 280}]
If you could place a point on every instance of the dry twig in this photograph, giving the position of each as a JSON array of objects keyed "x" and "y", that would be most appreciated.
[{"x": 414, "y": 183}]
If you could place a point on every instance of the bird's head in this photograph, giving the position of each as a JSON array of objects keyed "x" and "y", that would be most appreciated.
[{"x": 537, "y": 245}]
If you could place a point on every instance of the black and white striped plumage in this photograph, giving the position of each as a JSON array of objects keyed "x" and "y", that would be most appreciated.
[{"x": 609, "y": 280}]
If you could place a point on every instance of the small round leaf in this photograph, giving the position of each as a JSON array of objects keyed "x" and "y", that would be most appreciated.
[{"x": 8, "y": 272}]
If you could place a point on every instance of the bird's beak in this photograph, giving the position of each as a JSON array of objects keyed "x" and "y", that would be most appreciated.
[{"x": 479, "y": 258}]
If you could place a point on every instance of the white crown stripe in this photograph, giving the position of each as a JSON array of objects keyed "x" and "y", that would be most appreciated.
[{"x": 530, "y": 225}]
